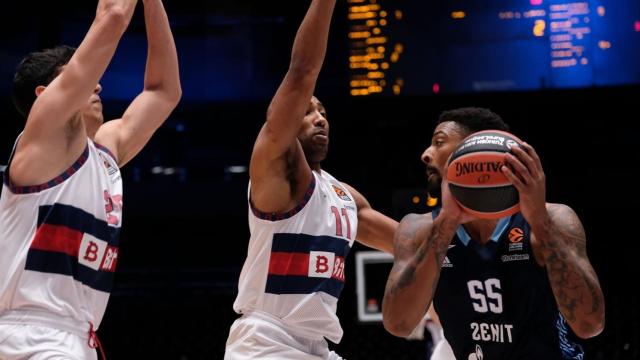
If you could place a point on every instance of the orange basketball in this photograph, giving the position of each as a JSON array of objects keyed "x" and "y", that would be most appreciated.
[{"x": 475, "y": 179}]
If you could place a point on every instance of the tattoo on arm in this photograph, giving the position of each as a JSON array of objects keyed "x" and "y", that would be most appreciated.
[{"x": 573, "y": 281}]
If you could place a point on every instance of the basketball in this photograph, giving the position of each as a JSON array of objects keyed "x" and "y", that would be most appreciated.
[{"x": 475, "y": 179}]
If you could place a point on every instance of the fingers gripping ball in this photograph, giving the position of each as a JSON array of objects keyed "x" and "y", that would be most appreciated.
[{"x": 475, "y": 179}]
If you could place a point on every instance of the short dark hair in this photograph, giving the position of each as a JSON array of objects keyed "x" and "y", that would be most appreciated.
[
  {"x": 473, "y": 119},
  {"x": 37, "y": 68}
]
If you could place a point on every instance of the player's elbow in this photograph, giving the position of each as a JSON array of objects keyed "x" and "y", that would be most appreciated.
[
  {"x": 396, "y": 325},
  {"x": 116, "y": 17},
  {"x": 590, "y": 328}
]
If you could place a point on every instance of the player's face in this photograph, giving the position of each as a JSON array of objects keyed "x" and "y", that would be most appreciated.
[
  {"x": 92, "y": 111},
  {"x": 445, "y": 139},
  {"x": 314, "y": 133}
]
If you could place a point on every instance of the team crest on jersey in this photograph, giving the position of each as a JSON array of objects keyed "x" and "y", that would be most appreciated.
[
  {"x": 516, "y": 237},
  {"x": 341, "y": 193}
]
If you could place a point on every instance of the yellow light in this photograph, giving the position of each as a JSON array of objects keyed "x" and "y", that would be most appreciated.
[
  {"x": 400, "y": 81},
  {"x": 458, "y": 15},
  {"x": 362, "y": 16},
  {"x": 376, "y": 40},
  {"x": 364, "y": 8},
  {"x": 396, "y": 89},
  {"x": 359, "y": 35},
  {"x": 359, "y": 92},
  {"x": 383, "y": 83},
  {"x": 398, "y": 14},
  {"x": 431, "y": 201},
  {"x": 380, "y": 49},
  {"x": 399, "y": 48},
  {"x": 375, "y": 75},
  {"x": 383, "y": 13},
  {"x": 355, "y": 1},
  {"x": 372, "y": 23},
  {"x": 395, "y": 57},
  {"x": 415, "y": 199},
  {"x": 538, "y": 28},
  {"x": 376, "y": 31},
  {"x": 373, "y": 66},
  {"x": 384, "y": 65},
  {"x": 383, "y": 22},
  {"x": 375, "y": 89}
]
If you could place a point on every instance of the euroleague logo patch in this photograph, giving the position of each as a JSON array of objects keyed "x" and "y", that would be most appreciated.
[
  {"x": 341, "y": 194},
  {"x": 516, "y": 237}
]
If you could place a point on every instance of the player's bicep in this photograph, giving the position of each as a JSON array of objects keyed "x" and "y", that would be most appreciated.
[
  {"x": 569, "y": 227},
  {"x": 406, "y": 242}
]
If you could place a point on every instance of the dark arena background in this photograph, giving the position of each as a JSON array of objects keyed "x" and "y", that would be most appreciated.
[{"x": 564, "y": 74}]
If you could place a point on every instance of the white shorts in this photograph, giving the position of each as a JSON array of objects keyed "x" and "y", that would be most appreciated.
[
  {"x": 257, "y": 336},
  {"x": 33, "y": 336}
]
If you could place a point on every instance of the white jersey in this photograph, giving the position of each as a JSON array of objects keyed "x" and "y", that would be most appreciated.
[
  {"x": 59, "y": 240},
  {"x": 294, "y": 271}
]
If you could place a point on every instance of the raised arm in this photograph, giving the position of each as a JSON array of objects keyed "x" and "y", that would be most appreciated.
[
  {"x": 277, "y": 149},
  {"x": 375, "y": 229},
  {"x": 53, "y": 137},
  {"x": 420, "y": 247},
  {"x": 161, "y": 93}
]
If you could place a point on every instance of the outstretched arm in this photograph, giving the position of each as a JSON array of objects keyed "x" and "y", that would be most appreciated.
[
  {"x": 375, "y": 229},
  {"x": 127, "y": 136},
  {"x": 277, "y": 146},
  {"x": 559, "y": 244},
  {"x": 420, "y": 247},
  {"x": 53, "y": 139}
]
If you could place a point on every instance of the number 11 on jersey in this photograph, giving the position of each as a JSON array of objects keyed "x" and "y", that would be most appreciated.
[{"x": 337, "y": 213}]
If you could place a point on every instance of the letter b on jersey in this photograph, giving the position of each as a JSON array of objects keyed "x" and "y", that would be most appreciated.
[{"x": 321, "y": 264}]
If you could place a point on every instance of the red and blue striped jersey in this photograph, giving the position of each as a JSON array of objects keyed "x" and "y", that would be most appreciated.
[
  {"x": 294, "y": 270},
  {"x": 59, "y": 240}
]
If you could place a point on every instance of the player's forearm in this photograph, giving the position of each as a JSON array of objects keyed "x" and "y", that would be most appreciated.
[
  {"x": 411, "y": 288},
  {"x": 162, "y": 74},
  {"x": 573, "y": 280},
  {"x": 310, "y": 44}
]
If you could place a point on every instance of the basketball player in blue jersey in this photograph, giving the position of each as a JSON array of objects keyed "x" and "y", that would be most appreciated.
[
  {"x": 302, "y": 220},
  {"x": 61, "y": 204},
  {"x": 504, "y": 289}
]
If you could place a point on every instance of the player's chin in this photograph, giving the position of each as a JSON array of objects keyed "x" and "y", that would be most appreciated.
[{"x": 434, "y": 185}]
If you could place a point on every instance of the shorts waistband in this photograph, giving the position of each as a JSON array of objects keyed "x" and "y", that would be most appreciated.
[{"x": 46, "y": 319}]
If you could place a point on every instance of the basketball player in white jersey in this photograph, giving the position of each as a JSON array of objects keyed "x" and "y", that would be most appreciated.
[
  {"x": 302, "y": 220},
  {"x": 61, "y": 203}
]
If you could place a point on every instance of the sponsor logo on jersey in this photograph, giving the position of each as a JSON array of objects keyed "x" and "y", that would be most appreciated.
[
  {"x": 498, "y": 333},
  {"x": 70, "y": 241},
  {"x": 514, "y": 257},
  {"x": 305, "y": 264},
  {"x": 447, "y": 263},
  {"x": 516, "y": 237},
  {"x": 341, "y": 193}
]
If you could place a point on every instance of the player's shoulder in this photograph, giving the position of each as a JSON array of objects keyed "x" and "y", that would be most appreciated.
[
  {"x": 413, "y": 223},
  {"x": 559, "y": 210}
]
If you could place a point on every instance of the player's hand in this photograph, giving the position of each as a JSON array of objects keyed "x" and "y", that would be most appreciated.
[
  {"x": 527, "y": 175},
  {"x": 451, "y": 208}
]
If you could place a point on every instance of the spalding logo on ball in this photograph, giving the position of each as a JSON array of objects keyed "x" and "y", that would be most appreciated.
[{"x": 475, "y": 179}]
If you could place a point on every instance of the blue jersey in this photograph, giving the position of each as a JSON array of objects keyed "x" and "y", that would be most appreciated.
[{"x": 495, "y": 301}]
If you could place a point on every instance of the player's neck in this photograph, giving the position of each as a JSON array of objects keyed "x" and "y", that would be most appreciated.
[{"x": 481, "y": 230}]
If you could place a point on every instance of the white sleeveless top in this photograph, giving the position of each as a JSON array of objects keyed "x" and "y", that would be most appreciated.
[
  {"x": 59, "y": 240},
  {"x": 294, "y": 271}
]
